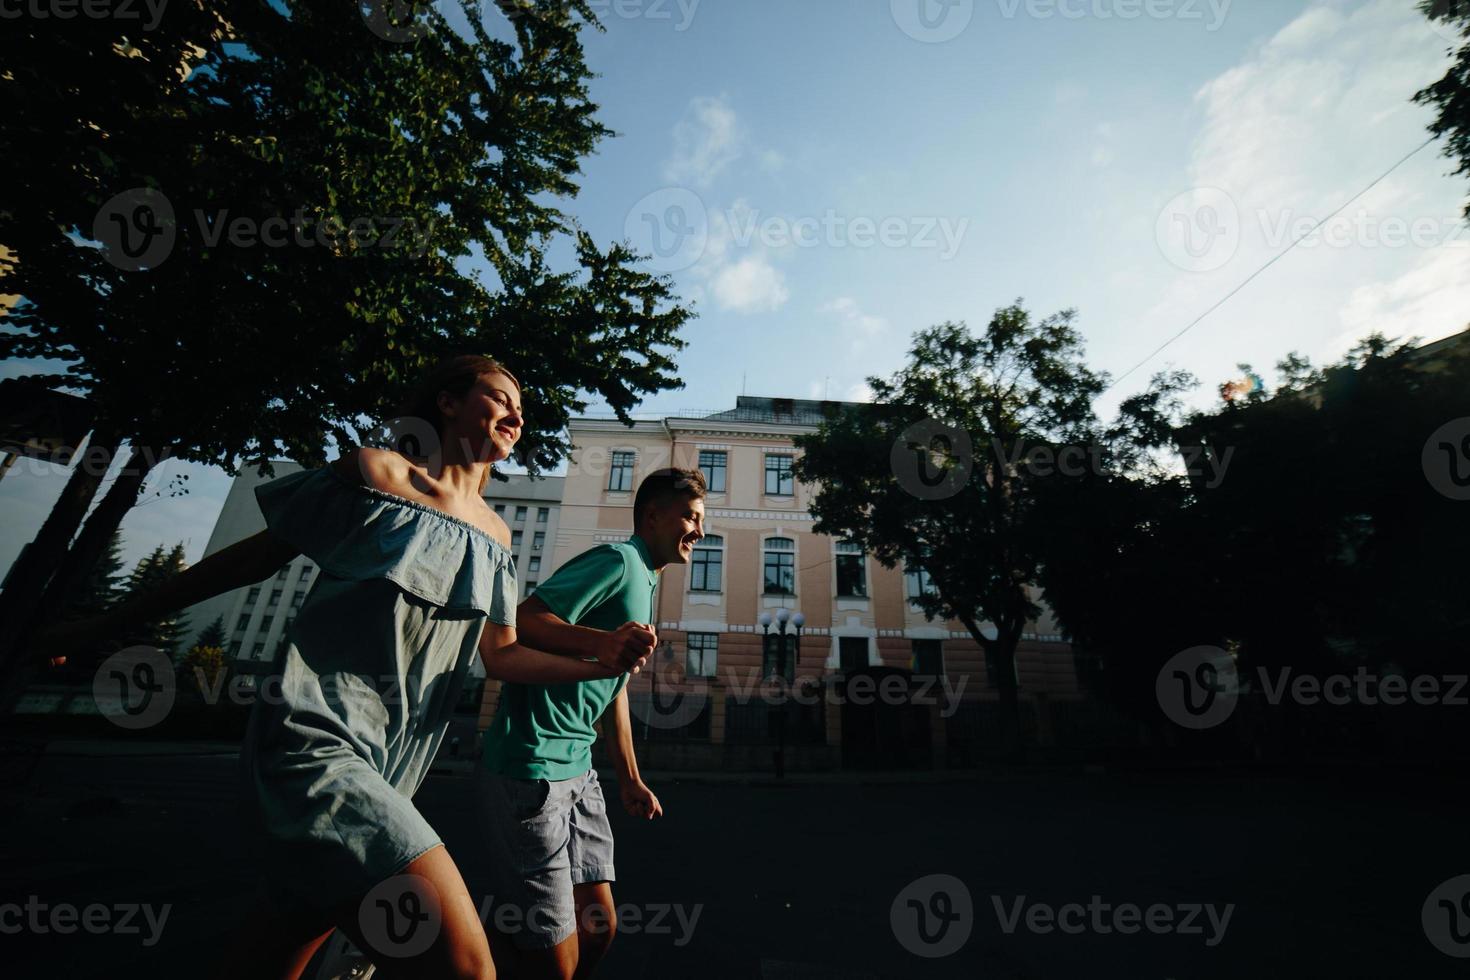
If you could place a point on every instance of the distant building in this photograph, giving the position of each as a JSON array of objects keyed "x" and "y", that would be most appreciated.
[{"x": 761, "y": 558}]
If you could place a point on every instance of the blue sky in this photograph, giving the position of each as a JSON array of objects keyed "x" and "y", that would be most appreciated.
[{"x": 850, "y": 172}]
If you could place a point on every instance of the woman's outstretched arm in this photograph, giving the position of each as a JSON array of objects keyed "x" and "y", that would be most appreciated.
[
  {"x": 243, "y": 563},
  {"x": 506, "y": 660}
]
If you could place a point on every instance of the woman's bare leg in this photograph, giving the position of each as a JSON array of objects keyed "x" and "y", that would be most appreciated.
[
  {"x": 421, "y": 924},
  {"x": 272, "y": 946}
]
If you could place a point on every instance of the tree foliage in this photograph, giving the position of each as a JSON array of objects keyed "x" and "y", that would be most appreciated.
[
  {"x": 1451, "y": 94},
  {"x": 935, "y": 473},
  {"x": 465, "y": 139}
]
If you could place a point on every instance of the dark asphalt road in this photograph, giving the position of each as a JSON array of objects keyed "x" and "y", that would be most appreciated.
[{"x": 1325, "y": 876}]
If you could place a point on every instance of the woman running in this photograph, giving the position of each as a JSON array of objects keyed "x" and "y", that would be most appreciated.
[{"x": 416, "y": 579}]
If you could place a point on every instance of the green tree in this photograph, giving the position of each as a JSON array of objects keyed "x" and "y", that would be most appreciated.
[
  {"x": 213, "y": 635},
  {"x": 101, "y": 588},
  {"x": 957, "y": 495},
  {"x": 1316, "y": 526},
  {"x": 252, "y": 116},
  {"x": 1451, "y": 94},
  {"x": 150, "y": 573}
]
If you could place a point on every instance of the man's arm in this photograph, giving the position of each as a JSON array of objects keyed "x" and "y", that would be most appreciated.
[
  {"x": 623, "y": 649},
  {"x": 506, "y": 659},
  {"x": 638, "y": 799}
]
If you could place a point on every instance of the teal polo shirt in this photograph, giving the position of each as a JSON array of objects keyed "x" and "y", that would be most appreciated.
[{"x": 544, "y": 731}]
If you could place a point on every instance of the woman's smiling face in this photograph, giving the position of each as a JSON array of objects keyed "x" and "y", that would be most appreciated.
[{"x": 488, "y": 417}]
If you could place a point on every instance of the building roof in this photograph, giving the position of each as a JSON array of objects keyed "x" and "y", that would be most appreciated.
[{"x": 776, "y": 411}]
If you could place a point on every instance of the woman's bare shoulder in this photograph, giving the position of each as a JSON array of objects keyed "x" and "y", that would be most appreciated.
[{"x": 381, "y": 469}]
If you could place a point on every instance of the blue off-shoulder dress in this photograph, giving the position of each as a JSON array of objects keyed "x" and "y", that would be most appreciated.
[{"x": 368, "y": 682}]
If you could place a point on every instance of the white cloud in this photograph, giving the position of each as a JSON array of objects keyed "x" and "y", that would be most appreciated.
[
  {"x": 750, "y": 285},
  {"x": 1302, "y": 124},
  {"x": 706, "y": 141},
  {"x": 1430, "y": 301},
  {"x": 1102, "y": 151},
  {"x": 854, "y": 320}
]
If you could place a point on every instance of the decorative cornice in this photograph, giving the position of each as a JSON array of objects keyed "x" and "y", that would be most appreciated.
[{"x": 762, "y": 515}]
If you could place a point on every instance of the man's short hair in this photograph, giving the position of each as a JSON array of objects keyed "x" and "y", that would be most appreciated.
[{"x": 662, "y": 487}]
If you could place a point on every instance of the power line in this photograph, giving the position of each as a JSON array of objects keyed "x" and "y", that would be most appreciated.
[{"x": 1276, "y": 258}]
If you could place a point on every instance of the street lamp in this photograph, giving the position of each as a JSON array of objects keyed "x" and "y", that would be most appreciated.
[{"x": 784, "y": 617}]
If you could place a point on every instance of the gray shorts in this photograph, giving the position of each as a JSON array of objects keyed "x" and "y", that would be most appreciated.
[{"x": 543, "y": 837}]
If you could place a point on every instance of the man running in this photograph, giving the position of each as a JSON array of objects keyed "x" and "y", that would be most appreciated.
[{"x": 541, "y": 803}]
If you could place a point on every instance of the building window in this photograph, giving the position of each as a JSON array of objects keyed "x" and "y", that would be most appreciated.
[
  {"x": 258, "y": 651},
  {"x": 515, "y": 539},
  {"x": 252, "y": 595},
  {"x": 707, "y": 566},
  {"x": 535, "y": 565},
  {"x": 520, "y": 513},
  {"x": 852, "y": 576},
  {"x": 928, "y": 658},
  {"x": 307, "y": 569},
  {"x": 275, "y": 597},
  {"x": 297, "y": 600},
  {"x": 543, "y": 514},
  {"x": 500, "y": 509},
  {"x": 780, "y": 566},
  {"x": 703, "y": 648},
  {"x": 235, "y": 649},
  {"x": 243, "y": 624},
  {"x": 620, "y": 476},
  {"x": 779, "y": 481},
  {"x": 852, "y": 652},
  {"x": 778, "y": 655},
  {"x": 537, "y": 540},
  {"x": 916, "y": 583},
  {"x": 286, "y": 570},
  {"x": 712, "y": 465},
  {"x": 530, "y": 585}
]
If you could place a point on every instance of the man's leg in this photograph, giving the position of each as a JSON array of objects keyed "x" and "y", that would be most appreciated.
[
  {"x": 532, "y": 924},
  {"x": 597, "y": 923},
  {"x": 590, "y": 851}
]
